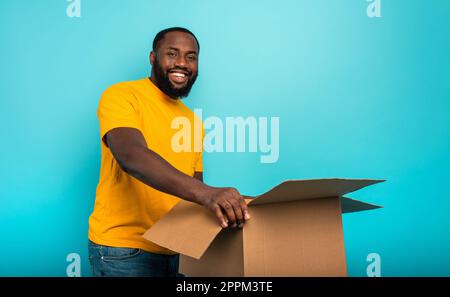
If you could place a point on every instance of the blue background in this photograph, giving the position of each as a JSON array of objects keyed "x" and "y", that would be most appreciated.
[{"x": 357, "y": 97}]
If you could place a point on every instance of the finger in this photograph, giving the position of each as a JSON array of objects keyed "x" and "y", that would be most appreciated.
[
  {"x": 238, "y": 212},
  {"x": 220, "y": 216},
  {"x": 228, "y": 208},
  {"x": 245, "y": 210}
]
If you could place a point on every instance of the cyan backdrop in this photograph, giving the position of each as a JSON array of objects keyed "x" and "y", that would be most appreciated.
[{"x": 357, "y": 97}]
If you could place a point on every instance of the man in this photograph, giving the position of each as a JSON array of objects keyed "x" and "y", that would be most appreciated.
[{"x": 141, "y": 176}]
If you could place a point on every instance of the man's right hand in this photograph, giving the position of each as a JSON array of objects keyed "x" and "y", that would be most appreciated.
[{"x": 226, "y": 203}]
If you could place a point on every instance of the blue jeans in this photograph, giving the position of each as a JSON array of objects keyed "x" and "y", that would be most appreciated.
[{"x": 114, "y": 261}]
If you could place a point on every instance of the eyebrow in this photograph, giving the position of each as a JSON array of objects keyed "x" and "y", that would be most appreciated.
[{"x": 188, "y": 52}]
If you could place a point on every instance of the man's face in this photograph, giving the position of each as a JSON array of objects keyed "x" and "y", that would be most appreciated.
[{"x": 175, "y": 63}]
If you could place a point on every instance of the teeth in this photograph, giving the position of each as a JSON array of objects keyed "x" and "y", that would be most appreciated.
[{"x": 178, "y": 74}]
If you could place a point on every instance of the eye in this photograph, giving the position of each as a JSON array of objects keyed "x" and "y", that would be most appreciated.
[
  {"x": 171, "y": 54},
  {"x": 192, "y": 58}
]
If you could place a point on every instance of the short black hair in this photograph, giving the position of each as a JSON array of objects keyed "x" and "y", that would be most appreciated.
[{"x": 162, "y": 33}]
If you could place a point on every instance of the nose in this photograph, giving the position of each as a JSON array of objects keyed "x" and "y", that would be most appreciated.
[{"x": 180, "y": 61}]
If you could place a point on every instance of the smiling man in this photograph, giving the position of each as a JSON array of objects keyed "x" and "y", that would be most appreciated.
[{"x": 141, "y": 176}]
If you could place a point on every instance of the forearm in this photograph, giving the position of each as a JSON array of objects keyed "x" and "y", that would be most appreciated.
[
  {"x": 133, "y": 156},
  {"x": 150, "y": 168}
]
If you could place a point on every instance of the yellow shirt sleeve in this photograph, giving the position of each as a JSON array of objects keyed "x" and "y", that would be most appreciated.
[
  {"x": 117, "y": 108},
  {"x": 199, "y": 163}
]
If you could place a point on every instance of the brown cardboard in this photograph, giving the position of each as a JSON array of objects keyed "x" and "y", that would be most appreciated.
[{"x": 295, "y": 230}]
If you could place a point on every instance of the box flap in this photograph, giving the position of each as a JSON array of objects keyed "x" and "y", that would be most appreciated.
[
  {"x": 352, "y": 205},
  {"x": 292, "y": 190},
  {"x": 187, "y": 229}
]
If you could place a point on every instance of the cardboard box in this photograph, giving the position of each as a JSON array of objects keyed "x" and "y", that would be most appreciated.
[{"x": 295, "y": 230}]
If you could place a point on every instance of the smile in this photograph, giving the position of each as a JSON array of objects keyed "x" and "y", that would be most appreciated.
[{"x": 178, "y": 77}]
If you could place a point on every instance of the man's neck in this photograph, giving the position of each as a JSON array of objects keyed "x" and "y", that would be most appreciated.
[{"x": 153, "y": 81}]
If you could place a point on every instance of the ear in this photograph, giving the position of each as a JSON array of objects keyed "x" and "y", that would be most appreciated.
[{"x": 152, "y": 58}]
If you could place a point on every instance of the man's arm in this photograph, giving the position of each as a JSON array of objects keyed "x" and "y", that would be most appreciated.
[
  {"x": 130, "y": 149},
  {"x": 198, "y": 175}
]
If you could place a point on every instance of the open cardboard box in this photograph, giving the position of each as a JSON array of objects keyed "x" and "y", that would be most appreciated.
[{"x": 295, "y": 230}]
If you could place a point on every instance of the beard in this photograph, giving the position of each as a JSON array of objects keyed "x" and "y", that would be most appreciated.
[{"x": 164, "y": 84}]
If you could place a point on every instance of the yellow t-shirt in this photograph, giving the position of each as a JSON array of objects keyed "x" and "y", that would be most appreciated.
[{"x": 124, "y": 206}]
